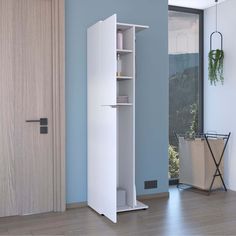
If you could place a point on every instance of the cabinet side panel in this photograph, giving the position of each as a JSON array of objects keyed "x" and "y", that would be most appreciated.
[{"x": 93, "y": 73}]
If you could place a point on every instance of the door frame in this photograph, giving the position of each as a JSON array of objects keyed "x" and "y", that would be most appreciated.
[
  {"x": 201, "y": 66},
  {"x": 58, "y": 81}
]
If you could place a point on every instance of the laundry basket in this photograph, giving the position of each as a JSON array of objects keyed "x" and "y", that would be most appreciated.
[{"x": 197, "y": 166}]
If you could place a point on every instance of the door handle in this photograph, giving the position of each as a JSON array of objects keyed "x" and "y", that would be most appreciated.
[{"x": 42, "y": 121}]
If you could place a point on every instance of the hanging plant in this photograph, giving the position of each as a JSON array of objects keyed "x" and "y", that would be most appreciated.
[
  {"x": 216, "y": 66},
  {"x": 216, "y": 57}
]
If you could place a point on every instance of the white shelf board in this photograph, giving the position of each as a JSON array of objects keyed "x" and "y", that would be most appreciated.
[
  {"x": 138, "y": 28},
  {"x": 124, "y": 104},
  {"x": 139, "y": 206},
  {"x": 124, "y": 77},
  {"x": 119, "y": 105},
  {"x": 123, "y": 51}
]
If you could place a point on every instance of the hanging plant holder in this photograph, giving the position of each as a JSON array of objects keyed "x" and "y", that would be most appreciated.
[
  {"x": 216, "y": 62},
  {"x": 216, "y": 58}
]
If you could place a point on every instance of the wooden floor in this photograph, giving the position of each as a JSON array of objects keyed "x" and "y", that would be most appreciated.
[{"x": 184, "y": 213}]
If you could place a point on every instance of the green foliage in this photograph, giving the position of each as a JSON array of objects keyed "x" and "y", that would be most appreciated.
[
  {"x": 183, "y": 92},
  {"x": 172, "y": 150},
  {"x": 194, "y": 124},
  {"x": 216, "y": 66},
  {"x": 173, "y": 162},
  {"x": 183, "y": 105}
]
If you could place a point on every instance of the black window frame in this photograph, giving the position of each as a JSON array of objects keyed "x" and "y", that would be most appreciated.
[{"x": 201, "y": 65}]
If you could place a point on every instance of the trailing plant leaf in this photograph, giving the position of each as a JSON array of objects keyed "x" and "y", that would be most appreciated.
[{"x": 216, "y": 66}]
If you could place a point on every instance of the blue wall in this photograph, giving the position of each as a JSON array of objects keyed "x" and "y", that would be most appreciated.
[{"x": 151, "y": 89}]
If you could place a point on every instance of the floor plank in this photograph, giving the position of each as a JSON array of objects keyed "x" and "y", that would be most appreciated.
[{"x": 184, "y": 213}]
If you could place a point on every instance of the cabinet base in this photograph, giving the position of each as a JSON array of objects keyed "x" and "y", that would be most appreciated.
[{"x": 139, "y": 206}]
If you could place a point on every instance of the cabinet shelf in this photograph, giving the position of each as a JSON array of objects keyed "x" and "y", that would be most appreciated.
[
  {"x": 124, "y": 104},
  {"x": 138, "y": 28},
  {"x": 119, "y": 105},
  {"x": 123, "y": 51},
  {"x": 125, "y": 208},
  {"x": 121, "y": 78}
]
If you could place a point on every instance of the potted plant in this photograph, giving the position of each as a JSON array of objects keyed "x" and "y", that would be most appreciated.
[
  {"x": 216, "y": 56},
  {"x": 216, "y": 66}
]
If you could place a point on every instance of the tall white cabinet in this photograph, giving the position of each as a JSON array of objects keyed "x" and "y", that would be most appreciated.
[{"x": 111, "y": 121}]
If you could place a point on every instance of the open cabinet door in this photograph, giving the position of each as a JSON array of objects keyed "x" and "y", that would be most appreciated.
[{"x": 102, "y": 134}]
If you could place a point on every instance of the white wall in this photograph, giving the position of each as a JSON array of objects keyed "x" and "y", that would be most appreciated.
[
  {"x": 220, "y": 101},
  {"x": 199, "y": 4}
]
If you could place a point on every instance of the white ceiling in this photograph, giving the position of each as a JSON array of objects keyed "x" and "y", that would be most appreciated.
[{"x": 199, "y": 4}]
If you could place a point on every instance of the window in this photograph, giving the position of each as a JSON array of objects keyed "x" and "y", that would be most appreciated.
[{"x": 185, "y": 78}]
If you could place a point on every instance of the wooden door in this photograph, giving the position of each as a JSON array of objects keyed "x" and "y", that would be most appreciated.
[
  {"x": 102, "y": 132},
  {"x": 26, "y": 92}
]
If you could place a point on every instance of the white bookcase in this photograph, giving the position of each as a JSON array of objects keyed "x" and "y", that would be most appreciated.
[{"x": 111, "y": 125}]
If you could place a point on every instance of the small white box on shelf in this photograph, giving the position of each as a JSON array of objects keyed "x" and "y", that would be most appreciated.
[
  {"x": 121, "y": 197},
  {"x": 119, "y": 39}
]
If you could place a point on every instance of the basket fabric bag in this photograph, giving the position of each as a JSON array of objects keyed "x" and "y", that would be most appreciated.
[{"x": 197, "y": 166}]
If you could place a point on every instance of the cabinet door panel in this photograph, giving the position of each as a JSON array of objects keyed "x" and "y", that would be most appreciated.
[
  {"x": 108, "y": 118},
  {"x": 101, "y": 118}
]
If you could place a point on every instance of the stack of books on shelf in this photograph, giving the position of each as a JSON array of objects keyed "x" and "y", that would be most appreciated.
[{"x": 122, "y": 99}]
